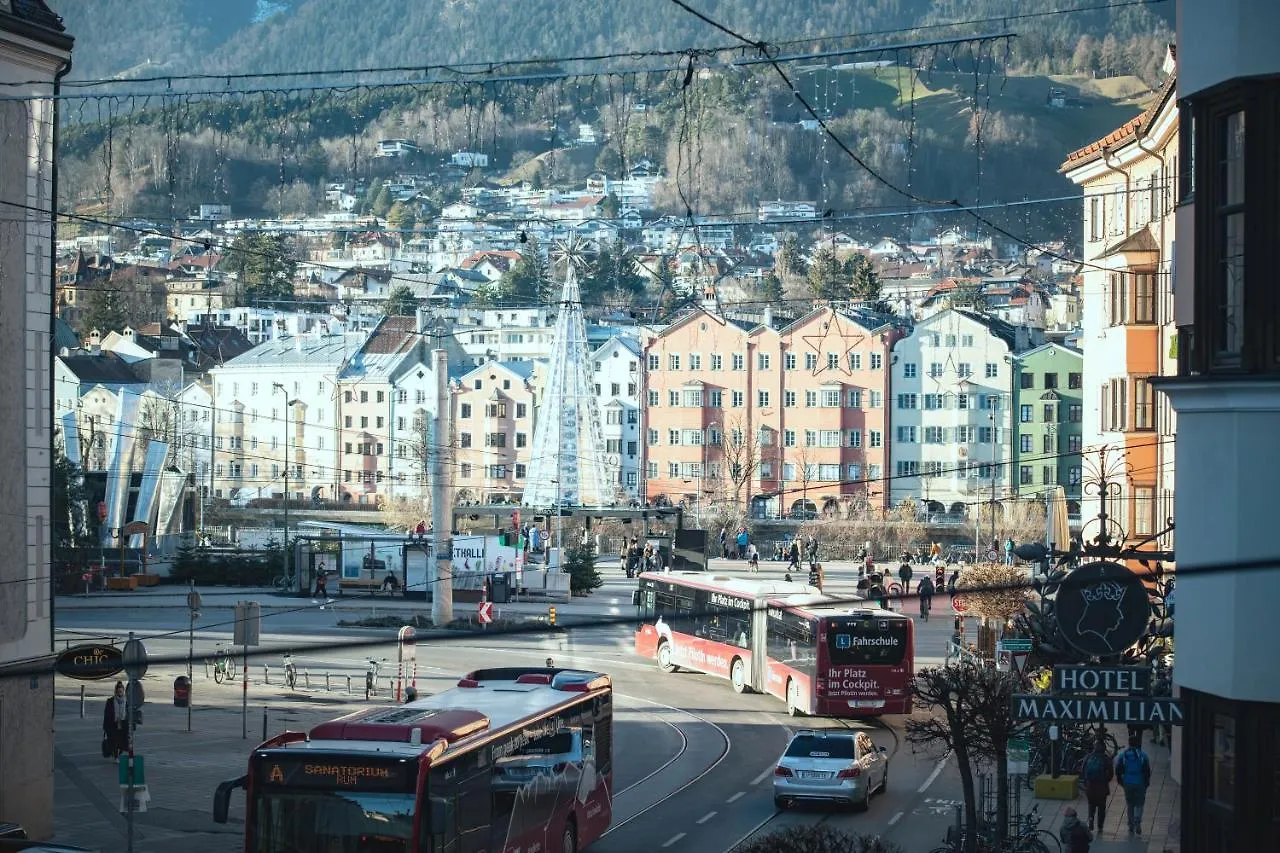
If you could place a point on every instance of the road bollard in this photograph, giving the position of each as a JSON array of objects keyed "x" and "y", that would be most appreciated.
[
  {"x": 326, "y": 683},
  {"x": 82, "y": 701},
  {"x": 266, "y": 674},
  {"x": 348, "y": 685},
  {"x": 306, "y": 678}
]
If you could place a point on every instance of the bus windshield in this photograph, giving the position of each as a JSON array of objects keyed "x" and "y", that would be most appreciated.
[
  {"x": 867, "y": 642},
  {"x": 334, "y": 822}
]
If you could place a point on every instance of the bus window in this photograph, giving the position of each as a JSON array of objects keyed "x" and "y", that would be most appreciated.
[
  {"x": 790, "y": 641},
  {"x": 867, "y": 642}
]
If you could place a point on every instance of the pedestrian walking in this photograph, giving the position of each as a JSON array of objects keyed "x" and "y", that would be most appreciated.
[
  {"x": 115, "y": 724},
  {"x": 1098, "y": 774},
  {"x": 1133, "y": 769},
  {"x": 724, "y": 542},
  {"x": 1008, "y": 551},
  {"x": 793, "y": 555},
  {"x": 322, "y": 583},
  {"x": 742, "y": 540},
  {"x": 1073, "y": 834},
  {"x": 753, "y": 557},
  {"x": 951, "y": 583},
  {"x": 904, "y": 575}
]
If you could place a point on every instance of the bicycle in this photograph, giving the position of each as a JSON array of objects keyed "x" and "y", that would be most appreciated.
[
  {"x": 285, "y": 582},
  {"x": 926, "y": 603},
  {"x": 290, "y": 672},
  {"x": 371, "y": 679},
  {"x": 224, "y": 665}
]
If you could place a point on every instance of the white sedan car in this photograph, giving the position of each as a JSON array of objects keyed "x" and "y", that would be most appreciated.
[{"x": 830, "y": 765}]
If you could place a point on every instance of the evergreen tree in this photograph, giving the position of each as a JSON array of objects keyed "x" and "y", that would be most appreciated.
[
  {"x": 527, "y": 280},
  {"x": 401, "y": 217},
  {"x": 613, "y": 276},
  {"x": 401, "y": 301},
  {"x": 107, "y": 310},
  {"x": 265, "y": 266},
  {"x": 864, "y": 282},
  {"x": 770, "y": 289},
  {"x": 827, "y": 278}
]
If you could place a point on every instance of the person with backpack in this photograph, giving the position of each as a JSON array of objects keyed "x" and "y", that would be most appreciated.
[
  {"x": 904, "y": 575},
  {"x": 925, "y": 590},
  {"x": 1097, "y": 774},
  {"x": 1133, "y": 769},
  {"x": 1073, "y": 834}
]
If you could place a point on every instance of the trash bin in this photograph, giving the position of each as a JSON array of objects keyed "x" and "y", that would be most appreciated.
[
  {"x": 501, "y": 589},
  {"x": 181, "y": 692}
]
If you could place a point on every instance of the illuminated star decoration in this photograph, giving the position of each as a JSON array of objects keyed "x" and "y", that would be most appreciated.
[{"x": 847, "y": 340}]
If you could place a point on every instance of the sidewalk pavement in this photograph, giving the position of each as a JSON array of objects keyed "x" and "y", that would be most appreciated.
[
  {"x": 182, "y": 768},
  {"x": 1161, "y": 819}
]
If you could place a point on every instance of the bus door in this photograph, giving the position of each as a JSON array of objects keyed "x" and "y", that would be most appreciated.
[{"x": 759, "y": 645}]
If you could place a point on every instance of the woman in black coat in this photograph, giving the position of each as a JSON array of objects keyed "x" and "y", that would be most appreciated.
[{"x": 115, "y": 722}]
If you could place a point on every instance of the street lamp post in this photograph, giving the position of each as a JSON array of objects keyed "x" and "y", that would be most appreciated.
[
  {"x": 284, "y": 559},
  {"x": 559, "y": 531}
]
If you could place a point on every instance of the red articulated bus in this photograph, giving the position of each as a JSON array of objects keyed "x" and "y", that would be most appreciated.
[
  {"x": 819, "y": 654},
  {"x": 512, "y": 760}
]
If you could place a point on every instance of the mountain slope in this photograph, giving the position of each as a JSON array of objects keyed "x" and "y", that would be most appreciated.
[{"x": 187, "y": 36}]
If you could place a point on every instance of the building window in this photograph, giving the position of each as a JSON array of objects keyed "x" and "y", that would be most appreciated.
[
  {"x": 1047, "y": 412},
  {"x": 788, "y": 438},
  {"x": 855, "y": 399},
  {"x": 1143, "y": 404},
  {"x": 907, "y": 401},
  {"x": 737, "y": 399},
  {"x": 651, "y": 436},
  {"x": 877, "y": 360},
  {"x": 738, "y": 361},
  {"x": 908, "y": 371},
  {"x": 789, "y": 399},
  {"x": 673, "y": 469},
  {"x": 673, "y": 436},
  {"x": 1026, "y": 381},
  {"x": 651, "y": 470},
  {"x": 1025, "y": 442},
  {"x": 1025, "y": 476},
  {"x": 789, "y": 361},
  {"x": 653, "y": 361},
  {"x": 935, "y": 370},
  {"x": 1074, "y": 443},
  {"x": 717, "y": 362},
  {"x": 811, "y": 438},
  {"x": 695, "y": 361},
  {"x": 908, "y": 468},
  {"x": 907, "y": 435},
  {"x": 693, "y": 398},
  {"x": 1046, "y": 443},
  {"x": 464, "y": 439},
  {"x": 1225, "y": 323},
  {"x": 1073, "y": 476},
  {"x": 992, "y": 370},
  {"x": 762, "y": 398},
  {"x": 673, "y": 362},
  {"x": 673, "y": 398},
  {"x": 464, "y": 470},
  {"x": 1222, "y": 782},
  {"x": 1025, "y": 413},
  {"x": 464, "y": 411},
  {"x": 762, "y": 360},
  {"x": 653, "y": 398},
  {"x": 495, "y": 439},
  {"x": 1075, "y": 413},
  {"x": 1143, "y": 510},
  {"x": 1075, "y": 381},
  {"x": 833, "y": 361},
  {"x": 855, "y": 438},
  {"x": 875, "y": 438},
  {"x": 1051, "y": 380},
  {"x": 522, "y": 471},
  {"x": 831, "y": 398},
  {"x": 964, "y": 370},
  {"x": 715, "y": 399},
  {"x": 811, "y": 361}
]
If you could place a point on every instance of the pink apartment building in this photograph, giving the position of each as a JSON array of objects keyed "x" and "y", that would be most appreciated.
[
  {"x": 778, "y": 420},
  {"x": 493, "y": 420}
]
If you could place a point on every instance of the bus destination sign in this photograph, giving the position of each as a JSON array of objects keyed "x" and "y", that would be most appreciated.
[{"x": 337, "y": 772}]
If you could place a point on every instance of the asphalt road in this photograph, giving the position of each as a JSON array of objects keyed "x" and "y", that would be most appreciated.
[{"x": 693, "y": 760}]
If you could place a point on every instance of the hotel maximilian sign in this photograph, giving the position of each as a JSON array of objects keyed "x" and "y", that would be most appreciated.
[{"x": 1102, "y": 694}]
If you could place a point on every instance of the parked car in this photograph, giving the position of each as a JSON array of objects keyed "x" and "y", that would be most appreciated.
[{"x": 840, "y": 766}]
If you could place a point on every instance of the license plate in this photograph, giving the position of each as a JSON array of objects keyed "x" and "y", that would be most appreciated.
[{"x": 813, "y": 774}]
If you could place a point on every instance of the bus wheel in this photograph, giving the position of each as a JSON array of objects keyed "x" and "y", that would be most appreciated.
[
  {"x": 793, "y": 698},
  {"x": 738, "y": 676},
  {"x": 569, "y": 841},
  {"x": 664, "y": 657}
]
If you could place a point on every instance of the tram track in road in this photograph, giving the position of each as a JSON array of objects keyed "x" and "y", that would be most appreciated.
[
  {"x": 724, "y": 753},
  {"x": 684, "y": 747}
]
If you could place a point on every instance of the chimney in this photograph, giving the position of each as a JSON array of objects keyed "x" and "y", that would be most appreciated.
[{"x": 768, "y": 315}]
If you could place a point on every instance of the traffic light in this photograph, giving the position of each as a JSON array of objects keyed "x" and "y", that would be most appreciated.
[{"x": 816, "y": 575}]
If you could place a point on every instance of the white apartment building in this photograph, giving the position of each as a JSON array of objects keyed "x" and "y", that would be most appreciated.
[
  {"x": 617, "y": 374},
  {"x": 253, "y": 392},
  {"x": 195, "y": 434},
  {"x": 951, "y": 413},
  {"x": 35, "y": 52}
]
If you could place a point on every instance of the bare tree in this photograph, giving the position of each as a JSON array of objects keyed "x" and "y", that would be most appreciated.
[
  {"x": 969, "y": 713},
  {"x": 741, "y": 452},
  {"x": 994, "y": 591},
  {"x": 408, "y": 509},
  {"x": 806, "y": 472},
  {"x": 1019, "y": 520}
]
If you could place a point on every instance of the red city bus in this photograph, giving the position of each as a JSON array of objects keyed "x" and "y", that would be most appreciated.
[
  {"x": 835, "y": 660},
  {"x": 512, "y": 759},
  {"x": 818, "y": 655}
]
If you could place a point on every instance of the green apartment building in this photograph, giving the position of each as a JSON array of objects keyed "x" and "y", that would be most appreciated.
[{"x": 1048, "y": 421}]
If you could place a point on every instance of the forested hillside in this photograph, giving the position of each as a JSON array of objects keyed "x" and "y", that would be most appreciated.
[
  {"x": 185, "y": 36},
  {"x": 969, "y": 122}
]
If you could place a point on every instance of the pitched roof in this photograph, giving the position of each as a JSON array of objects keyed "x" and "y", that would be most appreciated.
[
  {"x": 1132, "y": 128},
  {"x": 102, "y": 368},
  {"x": 36, "y": 12},
  {"x": 1001, "y": 329},
  {"x": 319, "y": 350}
]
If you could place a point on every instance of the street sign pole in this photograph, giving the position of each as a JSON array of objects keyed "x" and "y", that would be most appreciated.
[
  {"x": 135, "y": 665},
  {"x": 248, "y": 628},
  {"x": 193, "y": 606}
]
